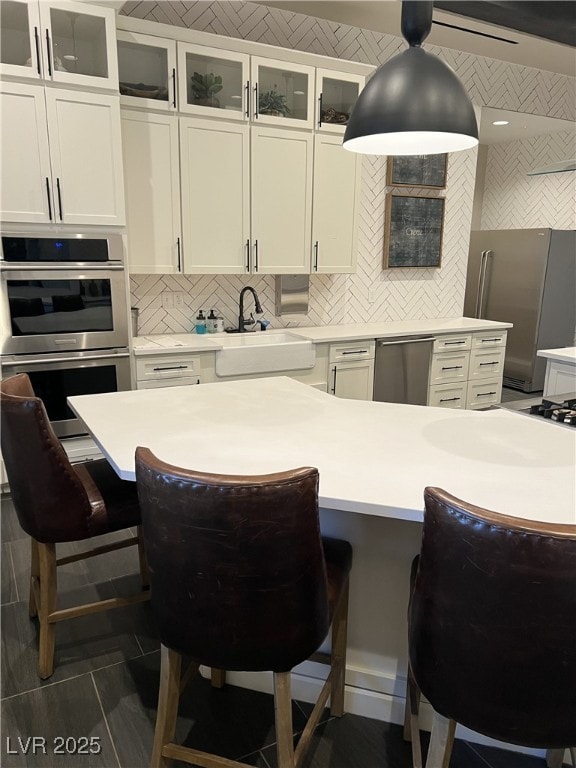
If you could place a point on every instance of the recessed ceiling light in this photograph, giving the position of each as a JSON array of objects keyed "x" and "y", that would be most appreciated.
[
  {"x": 235, "y": 96},
  {"x": 500, "y": 122},
  {"x": 298, "y": 93}
]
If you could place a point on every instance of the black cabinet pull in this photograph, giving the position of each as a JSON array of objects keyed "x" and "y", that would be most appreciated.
[
  {"x": 178, "y": 252},
  {"x": 493, "y": 340},
  {"x": 494, "y": 362},
  {"x": 247, "y": 90},
  {"x": 320, "y": 111},
  {"x": 451, "y": 343},
  {"x": 355, "y": 352},
  {"x": 256, "y": 101},
  {"x": 37, "y": 42},
  {"x": 174, "y": 87},
  {"x": 449, "y": 399},
  {"x": 247, "y": 255},
  {"x": 451, "y": 367},
  {"x": 255, "y": 255},
  {"x": 334, "y": 370},
  {"x": 48, "y": 46},
  {"x": 485, "y": 394},
  {"x": 59, "y": 198},
  {"x": 171, "y": 368},
  {"x": 49, "y": 198},
  {"x": 316, "y": 256}
]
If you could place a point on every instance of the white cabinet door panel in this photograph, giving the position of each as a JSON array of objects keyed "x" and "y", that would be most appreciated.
[
  {"x": 152, "y": 185},
  {"x": 336, "y": 193},
  {"x": 26, "y": 173},
  {"x": 354, "y": 381},
  {"x": 281, "y": 200},
  {"x": 215, "y": 167},
  {"x": 86, "y": 152}
]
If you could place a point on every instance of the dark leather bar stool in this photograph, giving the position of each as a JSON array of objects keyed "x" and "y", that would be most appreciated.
[
  {"x": 492, "y": 629},
  {"x": 56, "y": 502},
  {"x": 241, "y": 580}
]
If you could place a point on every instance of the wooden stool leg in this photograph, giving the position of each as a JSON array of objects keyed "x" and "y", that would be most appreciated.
[
  {"x": 440, "y": 742},
  {"x": 48, "y": 584},
  {"x": 338, "y": 664},
  {"x": 554, "y": 758},
  {"x": 171, "y": 663},
  {"x": 144, "y": 574},
  {"x": 217, "y": 677},
  {"x": 283, "y": 716},
  {"x": 34, "y": 576},
  {"x": 411, "y": 719}
]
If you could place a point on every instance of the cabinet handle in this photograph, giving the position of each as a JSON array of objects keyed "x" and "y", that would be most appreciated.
[
  {"x": 49, "y": 198},
  {"x": 170, "y": 368},
  {"x": 450, "y": 343},
  {"x": 316, "y": 256},
  {"x": 48, "y": 46},
  {"x": 494, "y": 362},
  {"x": 59, "y": 198},
  {"x": 320, "y": 111},
  {"x": 37, "y": 42},
  {"x": 247, "y": 90},
  {"x": 355, "y": 352},
  {"x": 492, "y": 340},
  {"x": 485, "y": 394},
  {"x": 451, "y": 367},
  {"x": 449, "y": 399},
  {"x": 334, "y": 371},
  {"x": 256, "y": 101},
  {"x": 174, "y": 87},
  {"x": 255, "y": 255},
  {"x": 178, "y": 252},
  {"x": 247, "y": 255}
]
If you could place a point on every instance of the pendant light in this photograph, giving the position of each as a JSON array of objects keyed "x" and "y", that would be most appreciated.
[{"x": 414, "y": 104}]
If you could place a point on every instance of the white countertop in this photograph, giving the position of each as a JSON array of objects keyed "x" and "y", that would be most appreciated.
[
  {"x": 562, "y": 355},
  {"x": 192, "y": 342},
  {"x": 373, "y": 458}
]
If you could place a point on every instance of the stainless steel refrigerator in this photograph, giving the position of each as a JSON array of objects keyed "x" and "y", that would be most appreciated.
[{"x": 526, "y": 277}]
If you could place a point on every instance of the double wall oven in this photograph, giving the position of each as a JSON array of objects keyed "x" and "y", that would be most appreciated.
[{"x": 64, "y": 318}]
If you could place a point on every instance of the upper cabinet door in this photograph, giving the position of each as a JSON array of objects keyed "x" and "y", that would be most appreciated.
[
  {"x": 213, "y": 82},
  {"x": 336, "y": 94},
  {"x": 146, "y": 71},
  {"x": 79, "y": 44},
  {"x": 25, "y": 192},
  {"x": 86, "y": 152},
  {"x": 282, "y": 93},
  {"x": 20, "y": 48}
]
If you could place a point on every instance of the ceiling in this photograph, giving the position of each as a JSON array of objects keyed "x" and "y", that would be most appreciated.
[
  {"x": 520, "y": 126},
  {"x": 489, "y": 28}
]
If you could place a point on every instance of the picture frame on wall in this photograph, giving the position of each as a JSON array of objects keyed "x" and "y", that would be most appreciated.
[
  {"x": 413, "y": 231},
  {"x": 427, "y": 171}
]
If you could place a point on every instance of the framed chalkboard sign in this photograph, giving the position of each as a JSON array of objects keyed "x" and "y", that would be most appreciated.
[
  {"x": 417, "y": 171},
  {"x": 413, "y": 231}
]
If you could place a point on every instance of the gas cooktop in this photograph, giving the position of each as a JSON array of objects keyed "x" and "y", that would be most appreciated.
[{"x": 558, "y": 409}]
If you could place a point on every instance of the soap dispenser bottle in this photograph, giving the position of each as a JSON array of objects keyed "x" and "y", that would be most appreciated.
[
  {"x": 211, "y": 322},
  {"x": 200, "y": 323}
]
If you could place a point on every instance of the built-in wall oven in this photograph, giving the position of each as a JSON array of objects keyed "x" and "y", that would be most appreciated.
[{"x": 64, "y": 318}]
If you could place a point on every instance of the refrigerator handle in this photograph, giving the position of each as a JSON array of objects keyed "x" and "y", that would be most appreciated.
[
  {"x": 483, "y": 282},
  {"x": 479, "y": 289}
]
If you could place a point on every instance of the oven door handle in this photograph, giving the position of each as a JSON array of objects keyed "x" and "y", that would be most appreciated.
[
  {"x": 41, "y": 266},
  {"x": 59, "y": 359}
]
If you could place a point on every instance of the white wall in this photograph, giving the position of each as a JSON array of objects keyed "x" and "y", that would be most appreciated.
[{"x": 400, "y": 293}]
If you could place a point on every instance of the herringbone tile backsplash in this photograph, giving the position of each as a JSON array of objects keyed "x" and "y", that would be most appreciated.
[{"x": 400, "y": 293}]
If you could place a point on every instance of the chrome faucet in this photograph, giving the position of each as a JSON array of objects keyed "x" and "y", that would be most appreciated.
[{"x": 257, "y": 307}]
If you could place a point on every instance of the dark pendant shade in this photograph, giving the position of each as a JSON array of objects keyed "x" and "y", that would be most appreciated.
[{"x": 414, "y": 104}]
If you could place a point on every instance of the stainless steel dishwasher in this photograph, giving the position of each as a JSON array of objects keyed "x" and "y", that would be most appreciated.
[{"x": 401, "y": 369}]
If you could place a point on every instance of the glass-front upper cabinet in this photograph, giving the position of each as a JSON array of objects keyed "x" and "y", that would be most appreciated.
[
  {"x": 146, "y": 71},
  {"x": 336, "y": 94},
  {"x": 282, "y": 93},
  {"x": 20, "y": 53},
  {"x": 213, "y": 82}
]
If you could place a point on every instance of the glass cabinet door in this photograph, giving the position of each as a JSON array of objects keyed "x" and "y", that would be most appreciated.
[
  {"x": 20, "y": 39},
  {"x": 211, "y": 79},
  {"x": 146, "y": 71},
  {"x": 81, "y": 44},
  {"x": 337, "y": 92},
  {"x": 282, "y": 93}
]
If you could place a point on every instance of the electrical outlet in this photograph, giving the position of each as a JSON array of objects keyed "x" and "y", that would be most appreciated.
[
  {"x": 167, "y": 299},
  {"x": 178, "y": 299},
  {"x": 372, "y": 294}
]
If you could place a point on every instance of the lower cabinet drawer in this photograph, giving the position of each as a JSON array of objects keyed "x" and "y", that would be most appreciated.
[
  {"x": 351, "y": 351},
  {"x": 166, "y": 367},
  {"x": 448, "y": 395},
  {"x": 181, "y": 381},
  {"x": 486, "y": 363},
  {"x": 449, "y": 367},
  {"x": 483, "y": 393}
]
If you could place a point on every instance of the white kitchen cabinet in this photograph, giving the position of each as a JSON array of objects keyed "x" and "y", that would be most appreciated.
[
  {"x": 152, "y": 184},
  {"x": 69, "y": 43},
  {"x": 146, "y": 71},
  {"x": 486, "y": 363},
  {"x": 61, "y": 156},
  {"x": 215, "y": 168},
  {"x": 560, "y": 378},
  {"x": 448, "y": 395},
  {"x": 335, "y": 206},
  {"x": 449, "y": 367},
  {"x": 351, "y": 370},
  {"x": 281, "y": 212},
  {"x": 336, "y": 95},
  {"x": 483, "y": 393},
  {"x": 283, "y": 93}
]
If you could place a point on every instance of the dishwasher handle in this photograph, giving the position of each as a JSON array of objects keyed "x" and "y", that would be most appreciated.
[{"x": 404, "y": 340}]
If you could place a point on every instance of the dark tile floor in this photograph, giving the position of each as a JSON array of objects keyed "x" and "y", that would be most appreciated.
[{"x": 105, "y": 687}]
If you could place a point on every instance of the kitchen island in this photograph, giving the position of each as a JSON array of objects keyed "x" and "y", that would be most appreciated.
[
  {"x": 560, "y": 370},
  {"x": 374, "y": 460}
]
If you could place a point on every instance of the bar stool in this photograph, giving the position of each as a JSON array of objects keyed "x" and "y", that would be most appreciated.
[
  {"x": 492, "y": 629},
  {"x": 241, "y": 580},
  {"x": 55, "y": 502}
]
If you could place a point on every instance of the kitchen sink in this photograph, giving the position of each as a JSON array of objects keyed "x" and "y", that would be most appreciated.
[{"x": 263, "y": 352}]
